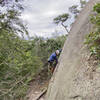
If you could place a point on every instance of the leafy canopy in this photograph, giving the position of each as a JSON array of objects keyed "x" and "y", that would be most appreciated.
[{"x": 61, "y": 18}]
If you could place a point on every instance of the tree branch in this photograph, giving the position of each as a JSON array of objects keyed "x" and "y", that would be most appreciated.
[{"x": 65, "y": 27}]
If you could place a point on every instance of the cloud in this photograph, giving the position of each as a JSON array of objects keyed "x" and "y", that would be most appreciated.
[{"x": 39, "y": 14}]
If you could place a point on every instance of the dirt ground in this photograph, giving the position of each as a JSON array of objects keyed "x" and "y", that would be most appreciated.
[
  {"x": 38, "y": 85},
  {"x": 36, "y": 89}
]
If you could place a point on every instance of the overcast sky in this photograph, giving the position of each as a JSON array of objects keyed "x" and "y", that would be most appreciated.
[{"x": 39, "y": 14}]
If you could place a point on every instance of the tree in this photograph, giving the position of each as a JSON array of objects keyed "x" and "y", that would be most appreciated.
[
  {"x": 61, "y": 19},
  {"x": 74, "y": 9},
  {"x": 17, "y": 65},
  {"x": 83, "y": 3},
  {"x": 16, "y": 3},
  {"x": 20, "y": 59},
  {"x": 50, "y": 45}
]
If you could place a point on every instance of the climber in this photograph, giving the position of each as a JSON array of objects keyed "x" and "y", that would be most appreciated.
[{"x": 53, "y": 60}]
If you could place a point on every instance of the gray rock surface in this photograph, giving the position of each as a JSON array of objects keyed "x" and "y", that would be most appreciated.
[{"x": 76, "y": 76}]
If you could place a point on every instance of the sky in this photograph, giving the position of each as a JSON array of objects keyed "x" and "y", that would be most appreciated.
[{"x": 39, "y": 15}]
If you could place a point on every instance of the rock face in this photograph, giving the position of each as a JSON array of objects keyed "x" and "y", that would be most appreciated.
[{"x": 76, "y": 76}]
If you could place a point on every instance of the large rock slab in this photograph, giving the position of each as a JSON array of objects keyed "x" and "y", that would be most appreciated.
[{"x": 76, "y": 77}]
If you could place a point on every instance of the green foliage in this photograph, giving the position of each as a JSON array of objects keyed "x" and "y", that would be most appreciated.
[
  {"x": 44, "y": 47},
  {"x": 97, "y": 8},
  {"x": 17, "y": 65},
  {"x": 73, "y": 9},
  {"x": 61, "y": 18},
  {"x": 93, "y": 39},
  {"x": 11, "y": 4},
  {"x": 83, "y": 3},
  {"x": 20, "y": 59}
]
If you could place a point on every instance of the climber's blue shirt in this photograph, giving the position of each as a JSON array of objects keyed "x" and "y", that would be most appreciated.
[{"x": 53, "y": 57}]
